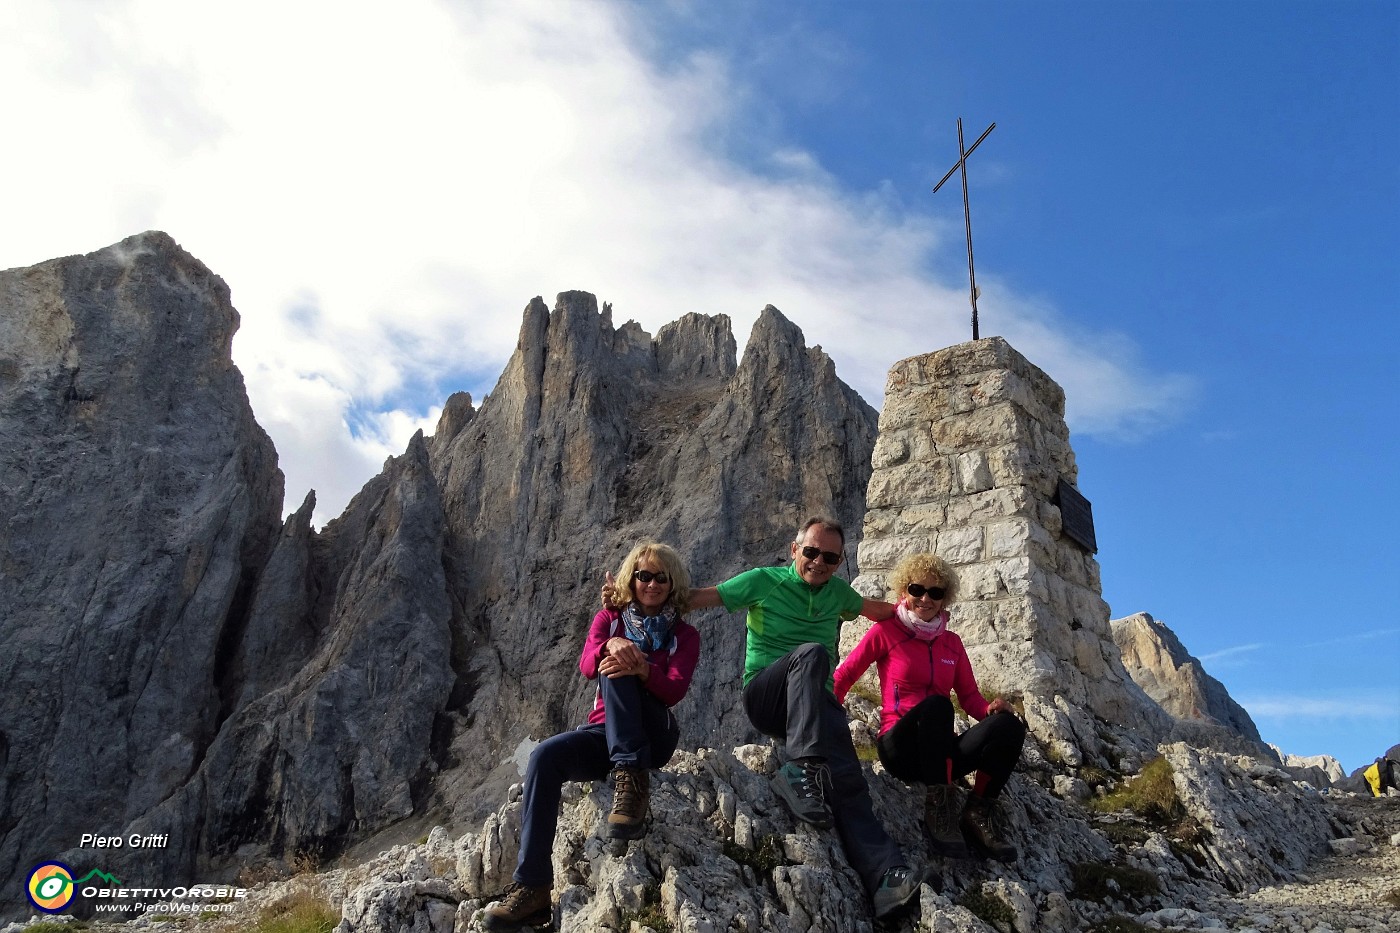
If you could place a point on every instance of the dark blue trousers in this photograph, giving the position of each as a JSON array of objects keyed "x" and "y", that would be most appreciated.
[
  {"x": 639, "y": 732},
  {"x": 788, "y": 700}
]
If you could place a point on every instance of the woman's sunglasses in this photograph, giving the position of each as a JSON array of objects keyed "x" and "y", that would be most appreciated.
[
  {"x": 828, "y": 557},
  {"x": 646, "y": 576},
  {"x": 918, "y": 592}
]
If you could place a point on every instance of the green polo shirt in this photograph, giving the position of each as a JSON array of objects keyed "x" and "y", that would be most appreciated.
[{"x": 785, "y": 612}]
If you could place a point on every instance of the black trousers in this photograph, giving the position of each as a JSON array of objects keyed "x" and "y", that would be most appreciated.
[{"x": 923, "y": 747}]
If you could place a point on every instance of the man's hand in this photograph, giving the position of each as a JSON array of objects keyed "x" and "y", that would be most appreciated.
[
  {"x": 999, "y": 705},
  {"x": 608, "y": 594}
]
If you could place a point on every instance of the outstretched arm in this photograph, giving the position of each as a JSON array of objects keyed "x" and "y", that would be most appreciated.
[
  {"x": 705, "y": 597},
  {"x": 876, "y": 609}
]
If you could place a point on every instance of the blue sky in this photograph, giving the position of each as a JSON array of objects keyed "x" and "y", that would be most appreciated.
[{"x": 1189, "y": 214}]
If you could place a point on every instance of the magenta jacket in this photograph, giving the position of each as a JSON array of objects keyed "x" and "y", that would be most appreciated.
[
  {"x": 911, "y": 670},
  {"x": 671, "y": 669}
]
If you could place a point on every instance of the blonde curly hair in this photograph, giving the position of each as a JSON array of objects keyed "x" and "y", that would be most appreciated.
[
  {"x": 919, "y": 566},
  {"x": 670, "y": 561}
]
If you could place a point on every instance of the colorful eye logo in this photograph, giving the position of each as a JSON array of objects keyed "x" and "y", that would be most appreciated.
[{"x": 50, "y": 886}]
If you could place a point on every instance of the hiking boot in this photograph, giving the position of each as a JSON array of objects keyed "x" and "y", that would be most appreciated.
[
  {"x": 803, "y": 788},
  {"x": 631, "y": 795},
  {"x": 942, "y": 806},
  {"x": 522, "y": 905},
  {"x": 983, "y": 826},
  {"x": 899, "y": 888}
]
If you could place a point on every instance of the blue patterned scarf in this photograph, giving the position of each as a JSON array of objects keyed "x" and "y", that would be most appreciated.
[{"x": 649, "y": 633}]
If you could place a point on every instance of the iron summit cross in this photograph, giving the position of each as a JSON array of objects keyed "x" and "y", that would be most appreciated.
[{"x": 961, "y": 165}]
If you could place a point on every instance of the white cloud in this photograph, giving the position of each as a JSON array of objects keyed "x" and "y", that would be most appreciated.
[
  {"x": 1363, "y": 705},
  {"x": 1390, "y": 635},
  {"x": 1229, "y": 655},
  {"x": 384, "y": 188}
]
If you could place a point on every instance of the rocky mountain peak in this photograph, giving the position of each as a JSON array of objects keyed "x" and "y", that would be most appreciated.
[{"x": 1170, "y": 675}]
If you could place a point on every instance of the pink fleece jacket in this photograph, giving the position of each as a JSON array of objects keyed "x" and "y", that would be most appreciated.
[
  {"x": 911, "y": 670},
  {"x": 671, "y": 669}
]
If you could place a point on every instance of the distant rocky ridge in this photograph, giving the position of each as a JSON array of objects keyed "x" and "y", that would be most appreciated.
[{"x": 183, "y": 662}]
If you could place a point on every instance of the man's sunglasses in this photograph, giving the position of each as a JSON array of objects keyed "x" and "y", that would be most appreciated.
[
  {"x": 811, "y": 553},
  {"x": 646, "y": 576},
  {"x": 933, "y": 592}
]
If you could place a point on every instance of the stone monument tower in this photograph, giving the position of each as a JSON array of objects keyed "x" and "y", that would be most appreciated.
[{"x": 973, "y": 463}]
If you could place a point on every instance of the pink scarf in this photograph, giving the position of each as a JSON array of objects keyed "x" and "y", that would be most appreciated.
[{"x": 924, "y": 631}]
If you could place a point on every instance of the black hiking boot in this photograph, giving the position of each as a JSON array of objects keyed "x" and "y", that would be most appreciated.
[
  {"x": 803, "y": 788},
  {"x": 942, "y": 807},
  {"x": 983, "y": 826},
  {"x": 899, "y": 890}
]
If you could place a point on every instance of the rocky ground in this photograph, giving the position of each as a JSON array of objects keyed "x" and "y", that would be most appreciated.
[
  {"x": 440, "y": 885},
  {"x": 1355, "y": 889}
]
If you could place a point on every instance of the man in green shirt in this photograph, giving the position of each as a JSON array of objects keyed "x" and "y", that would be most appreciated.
[{"x": 794, "y": 619}]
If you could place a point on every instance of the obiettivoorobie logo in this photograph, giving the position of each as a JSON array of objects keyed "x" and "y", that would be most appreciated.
[{"x": 51, "y": 885}]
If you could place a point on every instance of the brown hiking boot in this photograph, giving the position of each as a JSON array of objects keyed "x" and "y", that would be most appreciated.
[
  {"x": 631, "y": 796},
  {"x": 942, "y": 806},
  {"x": 521, "y": 906},
  {"x": 982, "y": 826}
]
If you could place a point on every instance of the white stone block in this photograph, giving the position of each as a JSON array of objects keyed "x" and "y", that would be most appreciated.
[
  {"x": 890, "y": 449},
  {"x": 961, "y": 546},
  {"x": 974, "y": 473},
  {"x": 1011, "y": 538}
]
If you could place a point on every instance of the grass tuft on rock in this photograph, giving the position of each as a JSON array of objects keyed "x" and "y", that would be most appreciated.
[
  {"x": 1120, "y": 924},
  {"x": 651, "y": 915},
  {"x": 988, "y": 908},
  {"x": 1099, "y": 881},
  {"x": 1151, "y": 794},
  {"x": 767, "y": 856},
  {"x": 301, "y": 912}
]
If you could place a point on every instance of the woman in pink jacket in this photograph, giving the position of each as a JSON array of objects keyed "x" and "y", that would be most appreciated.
[
  {"x": 643, "y": 655},
  {"x": 920, "y": 663}
]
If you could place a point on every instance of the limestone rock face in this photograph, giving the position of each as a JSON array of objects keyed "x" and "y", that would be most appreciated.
[
  {"x": 138, "y": 502},
  {"x": 343, "y": 744},
  {"x": 1321, "y": 771},
  {"x": 596, "y": 438},
  {"x": 180, "y": 661},
  {"x": 1162, "y": 666}
]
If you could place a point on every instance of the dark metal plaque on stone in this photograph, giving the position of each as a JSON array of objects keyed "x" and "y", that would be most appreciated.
[{"x": 1076, "y": 516}]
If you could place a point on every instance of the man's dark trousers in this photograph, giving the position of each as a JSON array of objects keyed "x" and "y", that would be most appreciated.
[{"x": 789, "y": 700}]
